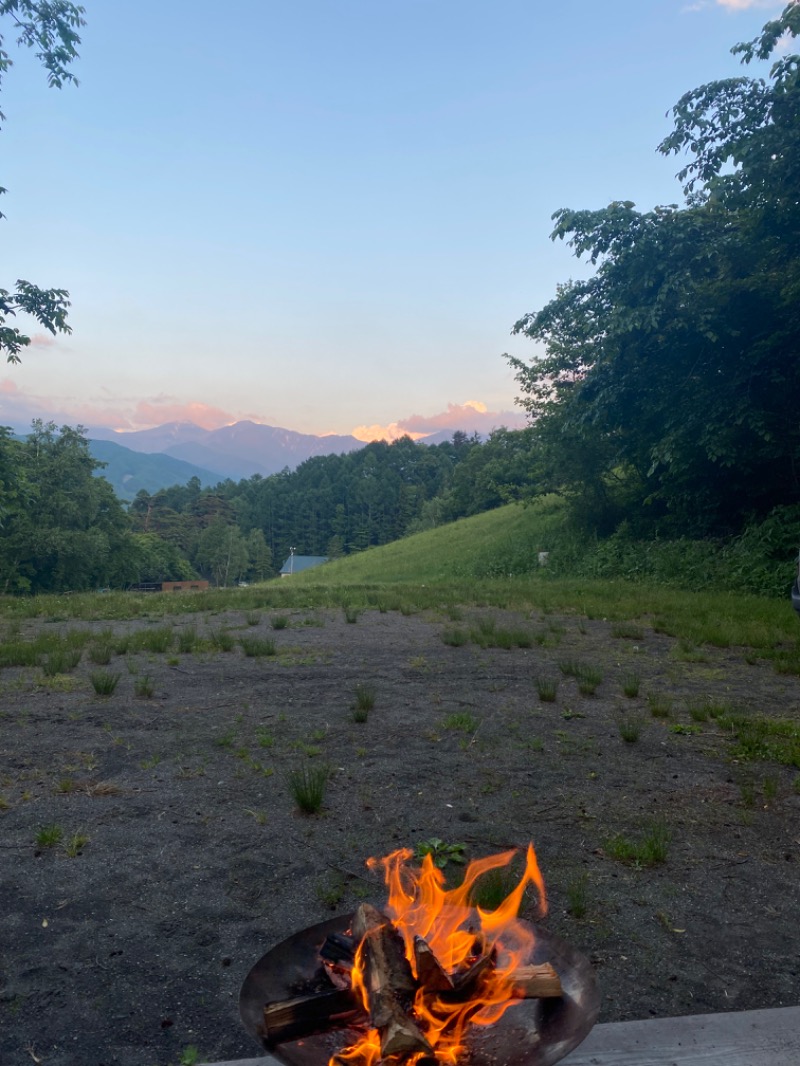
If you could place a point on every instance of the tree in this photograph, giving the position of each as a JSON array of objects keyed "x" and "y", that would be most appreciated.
[
  {"x": 51, "y": 27},
  {"x": 62, "y": 527},
  {"x": 222, "y": 552},
  {"x": 670, "y": 379}
]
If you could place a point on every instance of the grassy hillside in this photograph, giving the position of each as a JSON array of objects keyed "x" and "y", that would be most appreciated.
[{"x": 500, "y": 543}]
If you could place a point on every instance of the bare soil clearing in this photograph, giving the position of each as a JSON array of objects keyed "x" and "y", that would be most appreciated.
[{"x": 134, "y": 946}]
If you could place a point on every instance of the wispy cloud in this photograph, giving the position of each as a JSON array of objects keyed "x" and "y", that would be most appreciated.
[
  {"x": 743, "y": 5},
  {"x": 43, "y": 340},
  {"x": 733, "y": 5}
]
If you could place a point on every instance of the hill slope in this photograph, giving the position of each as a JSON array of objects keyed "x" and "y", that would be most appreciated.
[{"x": 500, "y": 543}]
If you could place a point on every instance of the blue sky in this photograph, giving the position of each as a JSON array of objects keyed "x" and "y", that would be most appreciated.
[{"x": 326, "y": 215}]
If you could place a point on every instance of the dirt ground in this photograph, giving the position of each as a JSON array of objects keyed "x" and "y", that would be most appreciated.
[{"x": 183, "y": 857}]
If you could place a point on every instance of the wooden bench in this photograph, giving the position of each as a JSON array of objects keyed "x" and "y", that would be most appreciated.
[{"x": 741, "y": 1038}]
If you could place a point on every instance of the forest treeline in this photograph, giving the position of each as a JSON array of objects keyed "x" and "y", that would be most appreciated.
[
  {"x": 62, "y": 527},
  {"x": 663, "y": 395}
]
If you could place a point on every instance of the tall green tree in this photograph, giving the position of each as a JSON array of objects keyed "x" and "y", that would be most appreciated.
[
  {"x": 62, "y": 527},
  {"x": 50, "y": 27},
  {"x": 670, "y": 379}
]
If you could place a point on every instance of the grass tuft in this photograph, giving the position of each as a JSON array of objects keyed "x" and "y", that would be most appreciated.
[
  {"x": 307, "y": 786},
  {"x": 104, "y": 682}
]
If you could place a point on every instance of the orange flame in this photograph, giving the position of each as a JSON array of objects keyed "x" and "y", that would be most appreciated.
[{"x": 457, "y": 933}]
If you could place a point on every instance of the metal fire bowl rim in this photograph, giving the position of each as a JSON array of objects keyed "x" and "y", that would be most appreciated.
[{"x": 531, "y": 1033}]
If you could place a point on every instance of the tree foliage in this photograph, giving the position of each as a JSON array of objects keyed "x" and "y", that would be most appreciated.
[
  {"x": 50, "y": 28},
  {"x": 62, "y": 527},
  {"x": 669, "y": 386}
]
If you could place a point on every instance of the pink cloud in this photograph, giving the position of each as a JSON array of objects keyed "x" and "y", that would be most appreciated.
[
  {"x": 42, "y": 340},
  {"x": 157, "y": 412},
  {"x": 471, "y": 416}
]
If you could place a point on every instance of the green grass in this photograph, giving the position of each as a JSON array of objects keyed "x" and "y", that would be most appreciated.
[
  {"x": 547, "y": 687},
  {"x": 630, "y": 729},
  {"x": 364, "y": 701},
  {"x": 455, "y": 637},
  {"x": 103, "y": 682},
  {"x": 144, "y": 687},
  {"x": 757, "y": 738},
  {"x": 49, "y": 835},
  {"x": 461, "y": 722},
  {"x": 307, "y": 786},
  {"x": 660, "y": 705},
  {"x": 631, "y": 684},
  {"x": 650, "y": 849},
  {"x": 257, "y": 647}
]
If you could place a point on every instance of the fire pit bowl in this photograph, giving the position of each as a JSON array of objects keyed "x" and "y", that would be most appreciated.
[{"x": 533, "y": 1032}]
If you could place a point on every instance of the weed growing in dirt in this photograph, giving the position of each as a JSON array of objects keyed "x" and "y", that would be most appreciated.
[
  {"x": 190, "y": 1055},
  {"x": 104, "y": 682},
  {"x": 259, "y": 816},
  {"x": 157, "y": 640},
  {"x": 279, "y": 621},
  {"x": 49, "y": 835},
  {"x": 627, "y": 631},
  {"x": 547, "y": 687},
  {"x": 630, "y": 729},
  {"x": 698, "y": 711},
  {"x": 351, "y": 613},
  {"x": 440, "y": 852},
  {"x": 686, "y": 651},
  {"x": 257, "y": 647},
  {"x": 307, "y": 786},
  {"x": 683, "y": 730},
  {"x": 187, "y": 640},
  {"x": 577, "y": 891},
  {"x": 330, "y": 890},
  {"x": 569, "y": 667},
  {"x": 650, "y": 850},
  {"x": 100, "y": 653},
  {"x": 61, "y": 661},
  {"x": 760, "y": 738},
  {"x": 461, "y": 722},
  {"x": 252, "y": 618},
  {"x": 455, "y": 638},
  {"x": 364, "y": 701},
  {"x": 264, "y": 738},
  {"x": 589, "y": 680},
  {"x": 221, "y": 640},
  {"x": 76, "y": 843},
  {"x": 144, "y": 687},
  {"x": 631, "y": 683},
  {"x": 660, "y": 706}
]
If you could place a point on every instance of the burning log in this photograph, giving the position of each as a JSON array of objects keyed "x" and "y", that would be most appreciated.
[
  {"x": 429, "y": 971},
  {"x": 293, "y": 1018},
  {"x": 388, "y": 983}
]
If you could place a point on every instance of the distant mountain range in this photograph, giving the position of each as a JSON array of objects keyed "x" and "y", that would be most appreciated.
[{"x": 171, "y": 454}]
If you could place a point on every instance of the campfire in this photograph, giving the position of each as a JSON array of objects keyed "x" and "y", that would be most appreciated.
[{"x": 415, "y": 981}]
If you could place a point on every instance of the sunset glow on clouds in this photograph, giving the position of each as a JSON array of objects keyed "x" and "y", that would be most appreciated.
[
  {"x": 471, "y": 416},
  {"x": 18, "y": 408},
  {"x": 166, "y": 409}
]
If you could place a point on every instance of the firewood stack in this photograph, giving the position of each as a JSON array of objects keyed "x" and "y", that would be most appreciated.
[{"x": 374, "y": 986}]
